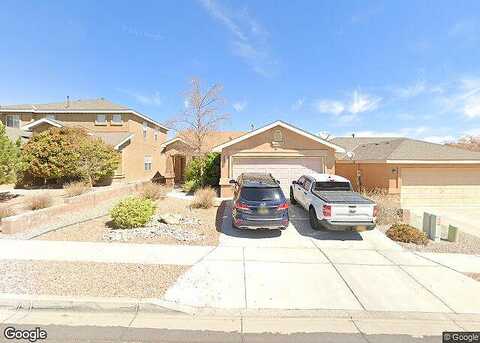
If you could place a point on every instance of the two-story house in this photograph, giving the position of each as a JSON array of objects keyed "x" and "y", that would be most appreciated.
[{"x": 137, "y": 137}]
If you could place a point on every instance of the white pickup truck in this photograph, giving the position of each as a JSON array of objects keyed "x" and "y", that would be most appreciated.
[{"x": 331, "y": 203}]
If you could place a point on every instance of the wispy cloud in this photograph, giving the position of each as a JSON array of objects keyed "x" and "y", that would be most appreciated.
[
  {"x": 142, "y": 33},
  {"x": 154, "y": 99},
  {"x": 298, "y": 104},
  {"x": 348, "y": 110},
  {"x": 465, "y": 30},
  {"x": 249, "y": 40},
  {"x": 239, "y": 106},
  {"x": 417, "y": 88}
]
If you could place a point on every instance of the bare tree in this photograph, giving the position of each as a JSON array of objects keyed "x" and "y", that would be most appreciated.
[
  {"x": 201, "y": 116},
  {"x": 467, "y": 143}
]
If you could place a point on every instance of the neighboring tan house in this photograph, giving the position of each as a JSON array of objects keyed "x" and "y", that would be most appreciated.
[
  {"x": 137, "y": 137},
  {"x": 425, "y": 174},
  {"x": 178, "y": 151}
]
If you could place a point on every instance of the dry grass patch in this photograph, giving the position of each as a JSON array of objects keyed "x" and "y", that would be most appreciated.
[
  {"x": 407, "y": 234},
  {"x": 154, "y": 191},
  {"x": 6, "y": 212},
  {"x": 73, "y": 189},
  {"x": 203, "y": 198},
  {"x": 37, "y": 202},
  {"x": 389, "y": 211}
]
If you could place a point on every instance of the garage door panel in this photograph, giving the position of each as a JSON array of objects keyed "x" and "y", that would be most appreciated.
[
  {"x": 423, "y": 187},
  {"x": 283, "y": 169}
]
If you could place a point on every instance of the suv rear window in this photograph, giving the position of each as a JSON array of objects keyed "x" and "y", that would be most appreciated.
[
  {"x": 261, "y": 194},
  {"x": 332, "y": 186}
]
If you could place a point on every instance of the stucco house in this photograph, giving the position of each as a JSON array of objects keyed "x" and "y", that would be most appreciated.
[
  {"x": 137, "y": 137},
  {"x": 425, "y": 174}
]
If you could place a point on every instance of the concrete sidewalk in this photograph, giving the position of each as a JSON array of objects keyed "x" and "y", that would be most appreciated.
[
  {"x": 460, "y": 262},
  {"x": 11, "y": 249}
]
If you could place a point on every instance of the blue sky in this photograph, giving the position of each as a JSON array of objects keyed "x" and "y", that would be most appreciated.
[{"x": 369, "y": 67}]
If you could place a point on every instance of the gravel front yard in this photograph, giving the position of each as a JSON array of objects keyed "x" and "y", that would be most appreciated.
[
  {"x": 87, "y": 279},
  {"x": 95, "y": 230},
  {"x": 467, "y": 244}
]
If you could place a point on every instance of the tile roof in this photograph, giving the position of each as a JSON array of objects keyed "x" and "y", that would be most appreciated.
[
  {"x": 73, "y": 105},
  {"x": 112, "y": 138},
  {"x": 214, "y": 138},
  {"x": 382, "y": 149}
]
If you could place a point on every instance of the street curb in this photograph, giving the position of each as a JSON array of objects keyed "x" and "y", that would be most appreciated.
[{"x": 92, "y": 304}]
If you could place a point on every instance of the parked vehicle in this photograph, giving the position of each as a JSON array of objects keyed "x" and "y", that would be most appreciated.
[
  {"x": 258, "y": 202},
  {"x": 331, "y": 203}
]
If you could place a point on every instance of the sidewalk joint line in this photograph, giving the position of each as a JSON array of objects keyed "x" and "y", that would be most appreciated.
[
  {"x": 341, "y": 276},
  {"x": 245, "y": 278},
  {"x": 364, "y": 336}
]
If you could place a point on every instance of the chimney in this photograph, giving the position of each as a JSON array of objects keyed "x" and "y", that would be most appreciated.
[
  {"x": 252, "y": 127},
  {"x": 67, "y": 104},
  {"x": 353, "y": 135}
]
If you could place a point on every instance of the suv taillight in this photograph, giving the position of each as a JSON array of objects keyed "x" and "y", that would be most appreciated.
[
  {"x": 241, "y": 206},
  {"x": 327, "y": 210},
  {"x": 282, "y": 207}
]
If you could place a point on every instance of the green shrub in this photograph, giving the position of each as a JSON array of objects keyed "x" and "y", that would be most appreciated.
[
  {"x": 132, "y": 212},
  {"x": 407, "y": 234},
  {"x": 190, "y": 186},
  {"x": 10, "y": 161},
  {"x": 204, "y": 171},
  {"x": 68, "y": 154}
]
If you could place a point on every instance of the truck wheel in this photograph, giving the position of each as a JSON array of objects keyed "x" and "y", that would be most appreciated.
[
  {"x": 312, "y": 215},
  {"x": 292, "y": 197}
]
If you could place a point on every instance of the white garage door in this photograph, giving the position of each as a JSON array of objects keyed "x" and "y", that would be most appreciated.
[
  {"x": 283, "y": 169},
  {"x": 445, "y": 187}
]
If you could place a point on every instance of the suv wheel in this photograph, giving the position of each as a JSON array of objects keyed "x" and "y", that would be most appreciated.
[
  {"x": 292, "y": 197},
  {"x": 312, "y": 216}
]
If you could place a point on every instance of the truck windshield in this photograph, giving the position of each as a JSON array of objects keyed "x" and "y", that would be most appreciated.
[
  {"x": 332, "y": 186},
  {"x": 261, "y": 194}
]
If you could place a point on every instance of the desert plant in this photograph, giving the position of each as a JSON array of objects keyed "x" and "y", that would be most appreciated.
[
  {"x": 132, "y": 212},
  {"x": 407, "y": 234},
  {"x": 389, "y": 211},
  {"x": 68, "y": 154},
  {"x": 39, "y": 201},
  {"x": 203, "y": 198},
  {"x": 153, "y": 191},
  {"x": 73, "y": 189},
  {"x": 190, "y": 186},
  {"x": 6, "y": 212},
  {"x": 10, "y": 161}
]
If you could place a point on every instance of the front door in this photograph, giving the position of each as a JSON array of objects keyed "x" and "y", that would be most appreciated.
[{"x": 179, "y": 168}]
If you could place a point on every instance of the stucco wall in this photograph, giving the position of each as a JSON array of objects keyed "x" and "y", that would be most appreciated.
[
  {"x": 294, "y": 145},
  {"x": 372, "y": 175}
]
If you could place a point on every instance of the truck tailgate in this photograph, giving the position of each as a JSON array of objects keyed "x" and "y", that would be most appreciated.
[{"x": 352, "y": 212}]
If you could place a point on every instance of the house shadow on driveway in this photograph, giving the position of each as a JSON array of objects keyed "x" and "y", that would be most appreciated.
[
  {"x": 299, "y": 224},
  {"x": 299, "y": 221},
  {"x": 223, "y": 224}
]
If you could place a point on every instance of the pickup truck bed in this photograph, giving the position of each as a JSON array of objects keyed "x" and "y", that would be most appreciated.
[{"x": 335, "y": 197}]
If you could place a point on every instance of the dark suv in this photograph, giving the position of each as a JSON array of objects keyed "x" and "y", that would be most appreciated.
[{"x": 258, "y": 202}]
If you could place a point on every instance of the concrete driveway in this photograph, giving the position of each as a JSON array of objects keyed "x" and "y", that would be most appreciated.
[{"x": 300, "y": 268}]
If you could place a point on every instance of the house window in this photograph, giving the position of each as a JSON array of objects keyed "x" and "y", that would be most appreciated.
[
  {"x": 156, "y": 134},
  {"x": 101, "y": 119},
  {"x": 147, "y": 163},
  {"x": 13, "y": 120},
  {"x": 145, "y": 127},
  {"x": 117, "y": 119},
  {"x": 51, "y": 116}
]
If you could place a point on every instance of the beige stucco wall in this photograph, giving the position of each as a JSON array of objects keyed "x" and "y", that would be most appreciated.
[
  {"x": 446, "y": 185},
  {"x": 372, "y": 175},
  {"x": 294, "y": 145}
]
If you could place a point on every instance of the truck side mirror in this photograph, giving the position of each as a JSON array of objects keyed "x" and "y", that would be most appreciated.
[
  {"x": 294, "y": 182},
  {"x": 232, "y": 182}
]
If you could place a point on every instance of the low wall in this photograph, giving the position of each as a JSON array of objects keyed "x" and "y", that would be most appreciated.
[{"x": 34, "y": 219}]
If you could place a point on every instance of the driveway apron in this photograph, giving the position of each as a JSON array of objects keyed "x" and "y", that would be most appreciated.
[{"x": 300, "y": 268}]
